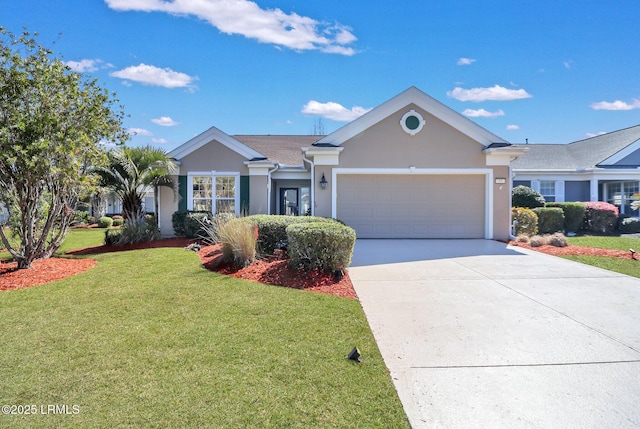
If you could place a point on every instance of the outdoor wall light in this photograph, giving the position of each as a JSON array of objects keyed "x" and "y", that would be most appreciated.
[{"x": 323, "y": 182}]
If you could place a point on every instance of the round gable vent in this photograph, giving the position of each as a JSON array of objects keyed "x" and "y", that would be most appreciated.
[{"x": 412, "y": 122}]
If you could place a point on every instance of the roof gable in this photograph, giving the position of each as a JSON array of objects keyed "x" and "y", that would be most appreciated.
[
  {"x": 413, "y": 96},
  {"x": 214, "y": 134}
]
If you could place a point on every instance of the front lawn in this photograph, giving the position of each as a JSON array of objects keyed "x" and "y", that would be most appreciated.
[
  {"x": 624, "y": 266},
  {"x": 149, "y": 338}
]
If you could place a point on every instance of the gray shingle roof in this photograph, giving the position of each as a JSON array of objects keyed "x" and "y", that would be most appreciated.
[
  {"x": 286, "y": 150},
  {"x": 588, "y": 153}
]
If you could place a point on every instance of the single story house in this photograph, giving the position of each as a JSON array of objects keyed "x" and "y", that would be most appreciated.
[
  {"x": 601, "y": 168},
  {"x": 409, "y": 168}
]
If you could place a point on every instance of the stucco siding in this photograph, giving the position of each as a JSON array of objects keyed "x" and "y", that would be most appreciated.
[{"x": 213, "y": 156}]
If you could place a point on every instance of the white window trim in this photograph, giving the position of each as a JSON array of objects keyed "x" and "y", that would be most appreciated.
[
  {"x": 213, "y": 174},
  {"x": 487, "y": 172}
]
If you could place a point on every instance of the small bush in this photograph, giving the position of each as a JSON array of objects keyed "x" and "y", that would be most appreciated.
[
  {"x": 324, "y": 245},
  {"x": 522, "y": 239},
  {"x": 105, "y": 222},
  {"x": 550, "y": 219},
  {"x": 81, "y": 217},
  {"x": 537, "y": 241},
  {"x": 117, "y": 217},
  {"x": 600, "y": 217},
  {"x": 573, "y": 215},
  {"x": 117, "y": 222},
  {"x": 525, "y": 221},
  {"x": 111, "y": 237},
  {"x": 629, "y": 225},
  {"x": 188, "y": 223},
  {"x": 524, "y": 196},
  {"x": 272, "y": 229},
  {"x": 238, "y": 240},
  {"x": 211, "y": 227},
  {"x": 133, "y": 231},
  {"x": 558, "y": 240}
]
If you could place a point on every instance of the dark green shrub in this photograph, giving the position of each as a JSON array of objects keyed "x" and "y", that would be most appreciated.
[
  {"x": 324, "y": 245},
  {"x": 573, "y": 215},
  {"x": 600, "y": 217},
  {"x": 81, "y": 217},
  {"x": 550, "y": 219},
  {"x": 111, "y": 237},
  {"x": 525, "y": 221},
  {"x": 117, "y": 222},
  {"x": 133, "y": 231},
  {"x": 272, "y": 229},
  {"x": 105, "y": 222},
  {"x": 186, "y": 223},
  {"x": 524, "y": 196},
  {"x": 629, "y": 225}
]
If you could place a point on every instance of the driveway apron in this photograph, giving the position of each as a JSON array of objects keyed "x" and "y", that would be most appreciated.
[{"x": 479, "y": 334}]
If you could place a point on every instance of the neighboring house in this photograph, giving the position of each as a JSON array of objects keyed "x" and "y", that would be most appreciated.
[
  {"x": 601, "y": 168},
  {"x": 410, "y": 168}
]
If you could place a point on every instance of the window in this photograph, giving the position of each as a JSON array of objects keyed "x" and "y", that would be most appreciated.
[
  {"x": 213, "y": 193},
  {"x": 548, "y": 190},
  {"x": 620, "y": 194}
]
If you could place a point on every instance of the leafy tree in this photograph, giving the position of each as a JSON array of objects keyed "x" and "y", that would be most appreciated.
[
  {"x": 132, "y": 172},
  {"x": 524, "y": 196},
  {"x": 52, "y": 123}
]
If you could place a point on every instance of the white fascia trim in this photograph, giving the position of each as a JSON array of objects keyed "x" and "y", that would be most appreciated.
[
  {"x": 413, "y": 96},
  {"x": 213, "y": 174},
  {"x": 211, "y": 134},
  {"x": 614, "y": 159},
  {"x": 487, "y": 172},
  {"x": 259, "y": 168}
]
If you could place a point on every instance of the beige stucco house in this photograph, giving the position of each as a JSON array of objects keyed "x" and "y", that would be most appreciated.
[{"x": 409, "y": 168}]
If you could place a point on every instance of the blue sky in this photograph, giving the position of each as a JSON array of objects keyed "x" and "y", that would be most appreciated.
[{"x": 547, "y": 71}]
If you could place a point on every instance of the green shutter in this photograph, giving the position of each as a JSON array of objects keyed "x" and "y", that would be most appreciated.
[
  {"x": 244, "y": 195},
  {"x": 182, "y": 192}
]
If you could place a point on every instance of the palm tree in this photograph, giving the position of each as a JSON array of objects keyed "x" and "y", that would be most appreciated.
[{"x": 132, "y": 172}]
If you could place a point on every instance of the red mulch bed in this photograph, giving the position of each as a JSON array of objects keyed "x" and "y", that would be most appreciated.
[
  {"x": 273, "y": 270},
  {"x": 576, "y": 250}
]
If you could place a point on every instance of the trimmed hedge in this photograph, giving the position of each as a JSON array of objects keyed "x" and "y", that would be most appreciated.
[
  {"x": 272, "y": 229},
  {"x": 600, "y": 217},
  {"x": 550, "y": 219},
  {"x": 629, "y": 225},
  {"x": 524, "y": 196},
  {"x": 324, "y": 245},
  {"x": 186, "y": 223},
  {"x": 525, "y": 221},
  {"x": 573, "y": 215}
]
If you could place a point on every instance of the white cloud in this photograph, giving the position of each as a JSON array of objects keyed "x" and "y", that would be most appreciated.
[
  {"x": 155, "y": 76},
  {"x": 481, "y": 113},
  {"x": 512, "y": 127},
  {"x": 333, "y": 111},
  {"x": 465, "y": 61},
  {"x": 84, "y": 65},
  {"x": 495, "y": 93},
  {"x": 246, "y": 18},
  {"x": 165, "y": 121},
  {"x": 616, "y": 105},
  {"x": 139, "y": 132}
]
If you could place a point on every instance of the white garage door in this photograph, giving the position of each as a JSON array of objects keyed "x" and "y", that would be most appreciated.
[{"x": 413, "y": 205}]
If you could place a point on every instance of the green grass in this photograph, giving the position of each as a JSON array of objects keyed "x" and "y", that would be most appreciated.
[
  {"x": 76, "y": 239},
  {"x": 149, "y": 338},
  {"x": 624, "y": 266}
]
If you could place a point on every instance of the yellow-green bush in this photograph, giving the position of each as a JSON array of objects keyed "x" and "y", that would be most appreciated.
[{"x": 525, "y": 221}]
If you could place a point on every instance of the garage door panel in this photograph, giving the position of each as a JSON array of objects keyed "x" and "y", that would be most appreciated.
[{"x": 413, "y": 206}]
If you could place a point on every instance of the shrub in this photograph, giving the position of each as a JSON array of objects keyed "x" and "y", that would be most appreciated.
[
  {"x": 573, "y": 215},
  {"x": 272, "y": 229},
  {"x": 211, "y": 227},
  {"x": 117, "y": 222},
  {"x": 537, "y": 241},
  {"x": 111, "y": 237},
  {"x": 238, "y": 240},
  {"x": 600, "y": 217},
  {"x": 629, "y": 225},
  {"x": 324, "y": 245},
  {"x": 105, "y": 222},
  {"x": 558, "y": 240},
  {"x": 550, "y": 219},
  {"x": 133, "y": 231},
  {"x": 81, "y": 217},
  {"x": 524, "y": 196},
  {"x": 525, "y": 221},
  {"x": 522, "y": 238},
  {"x": 117, "y": 217},
  {"x": 188, "y": 223}
]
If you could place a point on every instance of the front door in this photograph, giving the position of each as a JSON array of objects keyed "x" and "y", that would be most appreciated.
[{"x": 289, "y": 201}]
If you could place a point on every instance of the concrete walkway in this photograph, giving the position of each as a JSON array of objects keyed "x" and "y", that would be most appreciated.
[{"x": 477, "y": 334}]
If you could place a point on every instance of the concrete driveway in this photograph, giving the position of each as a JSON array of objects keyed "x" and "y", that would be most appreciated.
[{"x": 479, "y": 334}]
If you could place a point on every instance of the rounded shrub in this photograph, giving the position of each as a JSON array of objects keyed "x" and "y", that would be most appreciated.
[
  {"x": 105, "y": 222},
  {"x": 573, "y": 215},
  {"x": 525, "y": 221},
  {"x": 550, "y": 219},
  {"x": 324, "y": 245},
  {"x": 117, "y": 222},
  {"x": 524, "y": 196},
  {"x": 558, "y": 240},
  {"x": 600, "y": 217}
]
